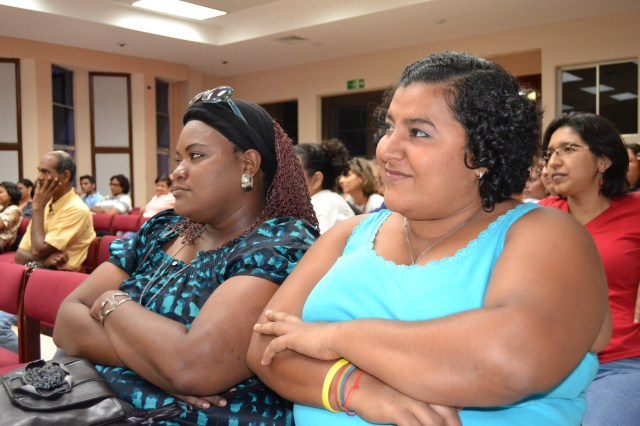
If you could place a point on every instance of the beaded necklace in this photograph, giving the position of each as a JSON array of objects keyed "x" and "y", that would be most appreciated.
[{"x": 190, "y": 231}]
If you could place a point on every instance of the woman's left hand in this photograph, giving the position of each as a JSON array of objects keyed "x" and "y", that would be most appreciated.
[
  {"x": 203, "y": 402},
  {"x": 292, "y": 333}
]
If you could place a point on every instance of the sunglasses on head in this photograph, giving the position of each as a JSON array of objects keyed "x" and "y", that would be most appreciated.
[{"x": 219, "y": 94}]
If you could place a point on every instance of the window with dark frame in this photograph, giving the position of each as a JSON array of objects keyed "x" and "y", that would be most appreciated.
[
  {"x": 64, "y": 134},
  {"x": 607, "y": 89},
  {"x": 11, "y": 139},
  {"x": 162, "y": 127}
]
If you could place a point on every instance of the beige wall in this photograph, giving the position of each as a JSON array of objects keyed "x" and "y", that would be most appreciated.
[
  {"x": 533, "y": 50},
  {"x": 37, "y": 116}
]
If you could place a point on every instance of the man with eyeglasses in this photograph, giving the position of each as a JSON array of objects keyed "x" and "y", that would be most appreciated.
[{"x": 118, "y": 202}]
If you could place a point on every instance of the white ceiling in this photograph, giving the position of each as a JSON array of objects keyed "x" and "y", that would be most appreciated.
[{"x": 247, "y": 39}]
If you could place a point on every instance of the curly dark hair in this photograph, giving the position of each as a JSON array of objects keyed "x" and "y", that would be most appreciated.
[
  {"x": 123, "y": 181},
  {"x": 604, "y": 140},
  {"x": 330, "y": 157},
  {"x": 501, "y": 123}
]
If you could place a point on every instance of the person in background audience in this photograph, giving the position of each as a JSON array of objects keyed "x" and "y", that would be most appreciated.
[
  {"x": 118, "y": 202},
  {"x": 588, "y": 162},
  {"x": 10, "y": 218},
  {"x": 90, "y": 194},
  {"x": 360, "y": 185},
  {"x": 61, "y": 228},
  {"x": 163, "y": 200},
  {"x": 545, "y": 177},
  {"x": 198, "y": 276},
  {"x": 434, "y": 311},
  {"x": 10, "y": 215},
  {"x": 26, "y": 189},
  {"x": 323, "y": 164},
  {"x": 633, "y": 174},
  {"x": 534, "y": 189}
]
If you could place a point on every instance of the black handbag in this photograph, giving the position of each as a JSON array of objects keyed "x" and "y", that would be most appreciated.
[{"x": 68, "y": 391}]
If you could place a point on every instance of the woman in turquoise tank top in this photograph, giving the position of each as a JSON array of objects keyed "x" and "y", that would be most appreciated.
[{"x": 457, "y": 305}]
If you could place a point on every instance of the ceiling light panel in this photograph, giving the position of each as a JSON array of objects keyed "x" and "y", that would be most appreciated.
[{"x": 179, "y": 8}]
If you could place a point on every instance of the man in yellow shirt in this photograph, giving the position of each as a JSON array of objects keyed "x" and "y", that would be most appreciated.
[
  {"x": 61, "y": 227},
  {"x": 60, "y": 231}
]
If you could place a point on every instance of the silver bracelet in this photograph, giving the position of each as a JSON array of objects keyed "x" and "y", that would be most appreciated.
[{"x": 110, "y": 303}]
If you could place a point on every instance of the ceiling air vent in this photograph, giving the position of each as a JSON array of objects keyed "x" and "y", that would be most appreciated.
[{"x": 292, "y": 39}]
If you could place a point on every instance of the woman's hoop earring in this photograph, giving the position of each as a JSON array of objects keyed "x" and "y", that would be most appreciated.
[{"x": 246, "y": 182}]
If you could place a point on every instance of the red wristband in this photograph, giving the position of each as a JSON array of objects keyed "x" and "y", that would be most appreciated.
[{"x": 353, "y": 387}]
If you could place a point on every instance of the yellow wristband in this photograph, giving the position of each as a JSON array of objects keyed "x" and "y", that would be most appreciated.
[{"x": 326, "y": 386}]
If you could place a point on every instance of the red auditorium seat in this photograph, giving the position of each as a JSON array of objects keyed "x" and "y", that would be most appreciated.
[
  {"x": 102, "y": 223},
  {"x": 44, "y": 292},
  {"x": 91, "y": 262},
  {"x": 13, "y": 280},
  {"x": 103, "y": 248},
  {"x": 125, "y": 223}
]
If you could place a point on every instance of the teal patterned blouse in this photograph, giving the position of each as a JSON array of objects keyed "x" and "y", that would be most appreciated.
[{"x": 178, "y": 291}]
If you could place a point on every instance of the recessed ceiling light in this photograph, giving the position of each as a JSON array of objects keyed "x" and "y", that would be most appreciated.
[
  {"x": 179, "y": 8},
  {"x": 567, "y": 77},
  {"x": 624, "y": 96},
  {"x": 592, "y": 89}
]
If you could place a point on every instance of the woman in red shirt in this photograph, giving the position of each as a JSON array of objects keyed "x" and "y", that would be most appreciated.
[{"x": 587, "y": 160}]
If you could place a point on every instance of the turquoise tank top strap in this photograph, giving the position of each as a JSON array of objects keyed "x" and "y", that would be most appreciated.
[{"x": 365, "y": 233}]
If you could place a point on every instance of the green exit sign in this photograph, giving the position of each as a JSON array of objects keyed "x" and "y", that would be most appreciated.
[{"x": 355, "y": 84}]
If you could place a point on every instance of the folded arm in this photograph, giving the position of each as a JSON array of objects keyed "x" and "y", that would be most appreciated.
[
  {"x": 205, "y": 359},
  {"x": 532, "y": 317},
  {"x": 76, "y": 332}
]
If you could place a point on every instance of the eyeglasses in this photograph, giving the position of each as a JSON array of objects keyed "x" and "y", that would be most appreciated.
[
  {"x": 562, "y": 151},
  {"x": 219, "y": 94}
]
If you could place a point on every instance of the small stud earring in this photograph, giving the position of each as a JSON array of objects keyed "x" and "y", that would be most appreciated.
[
  {"x": 480, "y": 175},
  {"x": 246, "y": 182}
]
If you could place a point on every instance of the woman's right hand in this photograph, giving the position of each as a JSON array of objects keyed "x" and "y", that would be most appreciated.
[{"x": 376, "y": 402}]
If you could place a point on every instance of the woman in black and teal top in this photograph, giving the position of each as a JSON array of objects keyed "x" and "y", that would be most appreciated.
[{"x": 199, "y": 276}]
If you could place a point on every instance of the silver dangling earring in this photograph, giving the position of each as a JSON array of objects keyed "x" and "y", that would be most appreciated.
[{"x": 246, "y": 182}]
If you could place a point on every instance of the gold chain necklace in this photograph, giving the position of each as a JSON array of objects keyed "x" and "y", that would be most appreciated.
[{"x": 441, "y": 239}]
